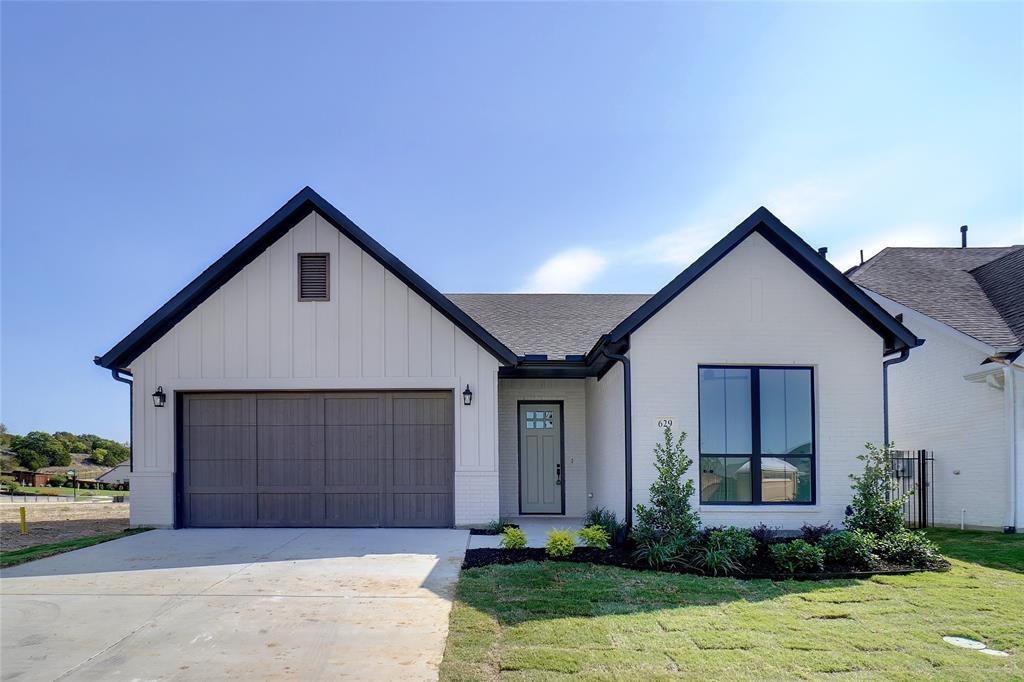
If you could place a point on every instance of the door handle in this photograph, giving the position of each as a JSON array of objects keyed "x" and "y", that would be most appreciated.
[{"x": 558, "y": 474}]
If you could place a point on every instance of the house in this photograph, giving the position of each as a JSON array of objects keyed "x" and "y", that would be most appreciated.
[
  {"x": 117, "y": 474},
  {"x": 962, "y": 394},
  {"x": 31, "y": 478},
  {"x": 310, "y": 378}
]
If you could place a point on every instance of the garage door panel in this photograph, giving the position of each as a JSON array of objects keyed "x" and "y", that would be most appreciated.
[
  {"x": 218, "y": 509},
  {"x": 420, "y": 409},
  {"x": 414, "y": 473},
  {"x": 284, "y": 509},
  {"x": 353, "y": 509},
  {"x": 354, "y": 410},
  {"x": 220, "y": 442},
  {"x": 319, "y": 459},
  {"x": 221, "y": 411},
  {"x": 421, "y": 509}
]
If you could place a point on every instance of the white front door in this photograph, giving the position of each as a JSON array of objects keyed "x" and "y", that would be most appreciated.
[{"x": 541, "y": 465}]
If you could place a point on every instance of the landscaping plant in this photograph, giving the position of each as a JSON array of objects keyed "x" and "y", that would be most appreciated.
[
  {"x": 764, "y": 534},
  {"x": 512, "y": 538},
  {"x": 849, "y": 548},
  {"x": 798, "y": 556},
  {"x": 665, "y": 528},
  {"x": 595, "y": 536},
  {"x": 813, "y": 534},
  {"x": 908, "y": 547},
  {"x": 726, "y": 550},
  {"x": 560, "y": 543},
  {"x": 876, "y": 508},
  {"x": 603, "y": 517}
]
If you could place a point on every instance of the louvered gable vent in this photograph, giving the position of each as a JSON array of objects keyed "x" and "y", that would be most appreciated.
[{"x": 314, "y": 278}]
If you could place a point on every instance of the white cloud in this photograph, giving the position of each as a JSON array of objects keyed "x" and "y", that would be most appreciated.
[{"x": 566, "y": 272}]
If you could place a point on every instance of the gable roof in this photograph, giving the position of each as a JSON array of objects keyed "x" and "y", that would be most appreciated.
[
  {"x": 257, "y": 241},
  {"x": 894, "y": 335},
  {"x": 975, "y": 290},
  {"x": 555, "y": 325}
]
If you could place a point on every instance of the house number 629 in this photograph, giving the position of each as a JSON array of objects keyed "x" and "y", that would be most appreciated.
[{"x": 662, "y": 422}]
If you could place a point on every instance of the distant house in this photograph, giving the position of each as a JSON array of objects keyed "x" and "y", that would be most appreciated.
[
  {"x": 961, "y": 395},
  {"x": 310, "y": 378},
  {"x": 31, "y": 478},
  {"x": 118, "y": 474}
]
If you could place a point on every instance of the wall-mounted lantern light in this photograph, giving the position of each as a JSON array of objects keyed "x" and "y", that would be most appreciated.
[
  {"x": 467, "y": 396},
  {"x": 159, "y": 397}
]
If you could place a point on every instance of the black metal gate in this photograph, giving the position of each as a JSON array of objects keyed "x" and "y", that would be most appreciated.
[{"x": 912, "y": 471}]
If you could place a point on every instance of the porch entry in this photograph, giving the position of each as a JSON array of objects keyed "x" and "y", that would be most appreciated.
[{"x": 541, "y": 458}]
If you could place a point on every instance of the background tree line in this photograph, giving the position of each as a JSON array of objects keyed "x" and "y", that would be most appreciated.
[{"x": 38, "y": 449}]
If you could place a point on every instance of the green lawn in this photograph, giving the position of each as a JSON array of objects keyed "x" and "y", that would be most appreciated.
[
  {"x": 70, "y": 492},
  {"x": 561, "y": 621},
  {"x": 20, "y": 556}
]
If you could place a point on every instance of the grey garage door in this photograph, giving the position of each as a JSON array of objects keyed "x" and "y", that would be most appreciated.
[{"x": 317, "y": 459}]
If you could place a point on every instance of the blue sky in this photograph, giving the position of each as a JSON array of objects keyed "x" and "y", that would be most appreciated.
[{"x": 493, "y": 147}]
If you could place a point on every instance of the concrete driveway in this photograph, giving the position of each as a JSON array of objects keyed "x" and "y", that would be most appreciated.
[{"x": 249, "y": 604}]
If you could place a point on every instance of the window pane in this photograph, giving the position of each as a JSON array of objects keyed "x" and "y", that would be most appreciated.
[
  {"x": 785, "y": 479},
  {"x": 785, "y": 411},
  {"x": 725, "y": 411},
  {"x": 725, "y": 479}
]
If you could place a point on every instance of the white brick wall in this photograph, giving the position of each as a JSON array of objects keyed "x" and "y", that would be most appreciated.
[
  {"x": 605, "y": 444},
  {"x": 931, "y": 406},
  {"x": 572, "y": 392},
  {"x": 476, "y": 497},
  {"x": 756, "y": 307}
]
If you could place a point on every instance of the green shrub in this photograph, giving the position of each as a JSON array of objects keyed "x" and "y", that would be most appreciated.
[
  {"x": 798, "y": 556},
  {"x": 560, "y": 543},
  {"x": 603, "y": 517},
  {"x": 498, "y": 525},
  {"x": 595, "y": 536},
  {"x": 907, "y": 547},
  {"x": 57, "y": 481},
  {"x": 849, "y": 548},
  {"x": 512, "y": 538},
  {"x": 876, "y": 508},
  {"x": 670, "y": 517},
  {"x": 661, "y": 552},
  {"x": 725, "y": 550}
]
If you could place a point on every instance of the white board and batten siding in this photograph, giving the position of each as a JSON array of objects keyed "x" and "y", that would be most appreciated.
[
  {"x": 373, "y": 333},
  {"x": 755, "y": 307}
]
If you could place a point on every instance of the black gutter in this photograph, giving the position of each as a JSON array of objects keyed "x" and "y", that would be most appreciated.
[
  {"x": 902, "y": 357},
  {"x": 131, "y": 416},
  {"x": 627, "y": 400}
]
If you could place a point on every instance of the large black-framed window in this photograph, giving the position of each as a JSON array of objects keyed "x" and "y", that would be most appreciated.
[{"x": 756, "y": 434}]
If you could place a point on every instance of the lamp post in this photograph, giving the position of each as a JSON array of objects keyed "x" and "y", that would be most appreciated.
[{"x": 74, "y": 483}]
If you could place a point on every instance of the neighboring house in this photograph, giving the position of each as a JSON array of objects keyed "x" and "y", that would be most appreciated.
[
  {"x": 31, "y": 478},
  {"x": 961, "y": 395},
  {"x": 117, "y": 474},
  {"x": 310, "y": 378}
]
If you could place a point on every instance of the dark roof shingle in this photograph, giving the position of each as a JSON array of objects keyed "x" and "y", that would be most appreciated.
[
  {"x": 555, "y": 325},
  {"x": 964, "y": 288}
]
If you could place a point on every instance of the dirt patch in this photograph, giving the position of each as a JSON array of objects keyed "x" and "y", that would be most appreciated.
[{"x": 56, "y": 522}]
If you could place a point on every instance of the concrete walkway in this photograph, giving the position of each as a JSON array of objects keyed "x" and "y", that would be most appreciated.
[{"x": 244, "y": 604}]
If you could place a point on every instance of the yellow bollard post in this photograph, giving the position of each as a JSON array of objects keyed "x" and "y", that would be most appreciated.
[{"x": 24, "y": 528}]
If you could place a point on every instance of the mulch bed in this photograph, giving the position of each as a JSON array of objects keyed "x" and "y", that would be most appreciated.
[
  {"x": 491, "y": 531},
  {"x": 622, "y": 557}
]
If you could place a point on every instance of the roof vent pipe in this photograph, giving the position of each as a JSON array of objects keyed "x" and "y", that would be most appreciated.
[
  {"x": 963, "y": 236},
  {"x": 823, "y": 252}
]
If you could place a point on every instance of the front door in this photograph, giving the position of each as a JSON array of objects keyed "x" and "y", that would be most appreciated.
[{"x": 541, "y": 465}]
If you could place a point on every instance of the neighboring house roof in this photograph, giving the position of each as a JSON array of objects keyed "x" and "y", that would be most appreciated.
[
  {"x": 119, "y": 470},
  {"x": 894, "y": 335},
  {"x": 257, "y": 241},
  {"x": 977, "y": 290},
  {"x": 555, "y": 325}
]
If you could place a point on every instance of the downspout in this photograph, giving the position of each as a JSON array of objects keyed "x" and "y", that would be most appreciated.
[
  {"x": 1011, "y": 390},
  {"x": 131, "y": 416},
  {"x": 902, "y": 357},
  {"x": 627, "y": 402}
]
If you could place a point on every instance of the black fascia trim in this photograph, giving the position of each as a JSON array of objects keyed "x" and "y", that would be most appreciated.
[
  {"x": 255, "y": 243},
  {"x": 557, "y": 369},
  {"x": 894, "y": 335}
]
